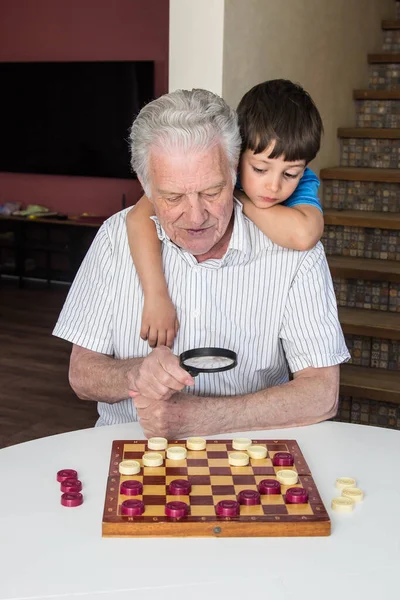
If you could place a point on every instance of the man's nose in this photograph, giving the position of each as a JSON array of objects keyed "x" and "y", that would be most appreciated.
[{"x": 197, "y": 212}]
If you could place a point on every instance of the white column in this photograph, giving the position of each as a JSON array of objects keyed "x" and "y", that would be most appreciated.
[{"x": 196, "y": 41}]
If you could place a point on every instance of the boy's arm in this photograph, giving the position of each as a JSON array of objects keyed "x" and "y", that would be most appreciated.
[
  {"x": 159, "y": 324},
  {"x": 300, "y": 227},
  {"x": 298, "y": 223}
]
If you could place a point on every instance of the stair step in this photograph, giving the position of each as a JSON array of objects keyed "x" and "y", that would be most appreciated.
[
  {"x": 376, "y": 95},
  {"x": 367, "y": 382},
  {"x": 361, "y": 174},
  {"x": 384, "y": 58},
  {"x": 371, "y": 323},
  {"x": 362, "y": 218},
  {"x": 348, "y": 267},
  {"x": 369, "y": 133},
  {"x": 390, "y": 24}
]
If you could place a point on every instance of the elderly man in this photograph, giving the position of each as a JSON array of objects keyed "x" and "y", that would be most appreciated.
[{"x": 232, "y": 287}]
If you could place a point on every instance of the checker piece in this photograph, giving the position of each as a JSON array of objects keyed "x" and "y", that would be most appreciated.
[
  {"x": 72, "y": 499},
  {"x": 71, "y": 485},
  {"x": 269, "y": 487},
  {"x": 66, "y": 474},
  {"x": 196, "y": 443},
  {"x": 129, "y": 467},
  {"x": 176, "y": 509},
  {"x": 132, "y": 487},
  {"x": 152, "y": 459},
  {"x": 132, "y": 508},
  {"x": 296, "y": 496},
  {"x": 157, "y": 443},
  {"x": 283, "y": 459},
  {"x": 179, "y": 487},
  {"x": 249, "y": 497},
  {"x": 227, "y": 508},
  {"x": 176, "y": 453}
]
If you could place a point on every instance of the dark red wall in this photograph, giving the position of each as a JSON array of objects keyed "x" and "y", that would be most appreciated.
[{"x": 57, "y": 30}]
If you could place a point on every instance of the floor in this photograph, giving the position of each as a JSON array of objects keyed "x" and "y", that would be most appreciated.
[{"x": 35, "y": 397}]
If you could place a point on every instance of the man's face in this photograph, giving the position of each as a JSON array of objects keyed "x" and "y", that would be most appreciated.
[{"x": 192, "y": 196}]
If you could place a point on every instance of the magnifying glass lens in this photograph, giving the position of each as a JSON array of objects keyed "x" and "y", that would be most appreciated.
[{"x": 208, "y": 362}]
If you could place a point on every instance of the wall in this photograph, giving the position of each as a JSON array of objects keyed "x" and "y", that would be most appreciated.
[
  {"x": 321, "y": 44},
  {"x": 196, "y": 44},
  {"x": 53, "y": 30}
]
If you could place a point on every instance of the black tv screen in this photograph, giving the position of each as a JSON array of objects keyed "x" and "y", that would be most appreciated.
[{"x": 71, "y": 118}]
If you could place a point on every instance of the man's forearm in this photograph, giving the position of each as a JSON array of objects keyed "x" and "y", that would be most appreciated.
[
  {"x": 303, "y": 401},
  {"x": 98, "y": 377}
]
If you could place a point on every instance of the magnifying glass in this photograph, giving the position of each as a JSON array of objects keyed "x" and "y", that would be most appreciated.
[{"x": 207, "y": 360}]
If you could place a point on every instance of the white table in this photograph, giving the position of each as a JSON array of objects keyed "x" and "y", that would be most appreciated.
[{"x": 48, "y": 551}]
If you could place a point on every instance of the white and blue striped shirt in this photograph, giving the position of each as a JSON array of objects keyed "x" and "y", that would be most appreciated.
[{"x": 274, "y": 307}]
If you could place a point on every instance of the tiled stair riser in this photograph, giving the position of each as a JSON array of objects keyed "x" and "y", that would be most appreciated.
[
  {"x": 361, "y": 195},
  {"x": 377, "y": 113},
  {"x": 368, "y": 295},
  {"x": 373, "y": 352},
  {"x": 368, "y": 412},
  {"x": 391, "y": 40},
  {"x": 373, "y": 153},
  {"x": 384, "y": 77},
  {"x": 360, "y": 350},
  {"x": 361, "y": 242}
]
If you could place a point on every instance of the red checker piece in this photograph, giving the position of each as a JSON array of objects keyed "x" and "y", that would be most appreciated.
[
  {"x": 180, "y": 487},
  {"x": 227, "y": 508},
  {"x": 132, "y": 508},
  {"x": 296, "y": 496},
  {"x": 283, "y": 459},
  {"x": 66, "y": 474},
  {"x": 131, "y": 487},
  {"x": 269, "y": 486},
  {"x": 249, "y": 497},
  {"x": 71, "y": 485},
  {"x": 176, "y": 509},
  {"x": 71, "y": 499}
]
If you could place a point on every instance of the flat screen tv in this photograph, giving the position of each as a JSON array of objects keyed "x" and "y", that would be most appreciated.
[{"x": 71, "y": 118}]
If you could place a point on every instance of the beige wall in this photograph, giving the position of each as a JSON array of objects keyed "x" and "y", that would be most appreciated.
[
  {"x": 321, "y": 44},
  {"x": 196, "y": 44}
]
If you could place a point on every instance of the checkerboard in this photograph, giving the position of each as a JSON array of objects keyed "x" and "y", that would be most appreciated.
[{"x": 212, "y": 480}]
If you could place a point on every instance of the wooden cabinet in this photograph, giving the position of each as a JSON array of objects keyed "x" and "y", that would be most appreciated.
[{"x": 43, "y": 249}]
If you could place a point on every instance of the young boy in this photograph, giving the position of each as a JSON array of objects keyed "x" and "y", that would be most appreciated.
[{"x": 281, "y": 133}]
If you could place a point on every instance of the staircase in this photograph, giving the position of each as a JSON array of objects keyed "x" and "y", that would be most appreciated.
[{"x": 361, "y": 201}]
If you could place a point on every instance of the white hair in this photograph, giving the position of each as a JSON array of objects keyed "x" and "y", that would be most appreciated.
[{"x": 185, "y": 120}]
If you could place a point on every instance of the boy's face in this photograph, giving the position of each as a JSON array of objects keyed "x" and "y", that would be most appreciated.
[{"x": 269, "y": 181}]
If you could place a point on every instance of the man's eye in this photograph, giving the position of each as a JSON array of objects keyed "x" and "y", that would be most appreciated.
[
  {"x": 174, "y": 198},
  {"x": 214, "y": 195},
  {"x": 258, "y": 170}
]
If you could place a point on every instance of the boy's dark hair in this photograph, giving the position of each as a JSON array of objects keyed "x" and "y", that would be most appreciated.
[{"x": 282, "y": 111}]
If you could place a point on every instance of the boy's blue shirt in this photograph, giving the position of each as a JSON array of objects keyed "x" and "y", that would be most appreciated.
[{"x": 305, "y": 193}]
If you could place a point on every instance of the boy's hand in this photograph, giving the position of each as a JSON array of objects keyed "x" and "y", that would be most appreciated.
[{"x": 159, "y": 322}]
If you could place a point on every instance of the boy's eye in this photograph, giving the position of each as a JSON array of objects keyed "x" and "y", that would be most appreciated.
[
  {"x": 258, "y": 170},
  {"x": 291, "y": 175}
]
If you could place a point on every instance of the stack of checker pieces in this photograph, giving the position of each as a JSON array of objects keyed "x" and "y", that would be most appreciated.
[{"x": 212, "y": 480}]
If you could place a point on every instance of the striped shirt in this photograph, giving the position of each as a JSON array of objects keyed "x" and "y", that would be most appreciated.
[{"x": 273, "y": 306}]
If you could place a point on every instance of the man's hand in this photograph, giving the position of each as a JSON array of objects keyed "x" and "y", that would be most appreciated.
[
  {"x": 172, "y": 418},
  {"x": 157, "y": 377}
]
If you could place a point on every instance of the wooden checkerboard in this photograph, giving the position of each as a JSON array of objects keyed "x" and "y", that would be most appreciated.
[{"x": 212, "y": 480}]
